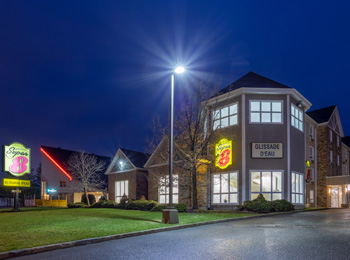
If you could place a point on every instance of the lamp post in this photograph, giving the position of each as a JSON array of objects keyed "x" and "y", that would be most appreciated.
[{"x": 170, "y": 215}]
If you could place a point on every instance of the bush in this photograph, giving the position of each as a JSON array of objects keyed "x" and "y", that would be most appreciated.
[
  {"x": 282, "y": 205},
  {"x": 91, "y": 197},
  {"x": 102, "y": 198},
  {"x": 145, "y": 205},
  {"x": 76, "y": 205},
  {"x": 104, "y": 204},
  {"x": 258, "y": 205},
  {"x": 179, "y": 207}
]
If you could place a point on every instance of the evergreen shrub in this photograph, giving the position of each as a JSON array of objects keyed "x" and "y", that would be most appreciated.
[
  {"x": 282, "y": 205},
  {"x": 145, "y": 205},
  {"x": 91, "y": 197}
]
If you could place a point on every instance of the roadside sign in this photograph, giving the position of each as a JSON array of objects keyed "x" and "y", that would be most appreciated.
[{"x": 15, "y": 183}]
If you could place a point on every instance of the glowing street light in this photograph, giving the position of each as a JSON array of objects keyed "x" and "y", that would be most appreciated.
[{"x": 170, "y": 215}]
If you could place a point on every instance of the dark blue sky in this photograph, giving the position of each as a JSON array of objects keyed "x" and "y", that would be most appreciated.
[{"x": 91, "y": 75}]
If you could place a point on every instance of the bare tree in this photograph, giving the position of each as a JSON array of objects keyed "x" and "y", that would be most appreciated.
[
  {"x": 192, "y": 139},
  {"x": 86, "y": 169}
]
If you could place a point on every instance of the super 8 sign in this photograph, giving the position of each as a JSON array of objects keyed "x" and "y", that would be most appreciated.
[
  {"x": 223, "y": 153},
  {"x": 16, "y": 159}
]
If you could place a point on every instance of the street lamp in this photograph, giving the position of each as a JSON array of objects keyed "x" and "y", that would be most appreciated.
[{"x": 170, "y": 215}]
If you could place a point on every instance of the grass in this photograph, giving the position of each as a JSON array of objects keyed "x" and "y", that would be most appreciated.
[{"x": 33, "y": 227}]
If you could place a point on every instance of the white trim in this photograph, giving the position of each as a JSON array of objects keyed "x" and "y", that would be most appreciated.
[
  {"x": 228, "y": 116},
  {"x": 115, "y": 158},
  {"x": 288, "y": 151},
  {"x": 271, "y": 91},
  {"x": 244, "y": 171}
]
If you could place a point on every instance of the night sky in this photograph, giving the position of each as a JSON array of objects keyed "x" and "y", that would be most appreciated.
[{"x": 92, "y": 75}]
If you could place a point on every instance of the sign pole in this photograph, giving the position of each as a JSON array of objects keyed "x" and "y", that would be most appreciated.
[{"x": 15, "y": 206}]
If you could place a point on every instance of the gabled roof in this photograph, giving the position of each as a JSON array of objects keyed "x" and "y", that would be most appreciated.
[
  {"x": 321, "y": 115},
  {"x": 126, "y": 160},
  {"x": 252, "y": 80},
  {"x": 61, "y": 156},
  {"x": 137, "y": 158}
]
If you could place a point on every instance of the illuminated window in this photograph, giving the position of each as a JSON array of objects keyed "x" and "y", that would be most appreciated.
[
  {"x": 269, "y": 183},
  {"x": 311, "y": 196},
  {"x": 266, "y": 112},
  {"x": 225, "y": 116},
  {"x": 63, "y": 184},
  {"x": 312, "y": 155},
  {"x": 297, "y": 188},
  {"x": 297, "y": 118},
  {"x": 121, "y": 189},
  {"x": 225, "y": 188},
  {"x": 163, "y": 189}
]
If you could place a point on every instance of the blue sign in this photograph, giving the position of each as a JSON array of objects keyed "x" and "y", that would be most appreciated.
[{"x": 51, "y": 190}]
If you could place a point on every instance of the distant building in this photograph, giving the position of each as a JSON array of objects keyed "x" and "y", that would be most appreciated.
[
  {"x": 269, "y": 144},
  {"x": 127, "y": 176},
  {"x": 56, "y": 180}
]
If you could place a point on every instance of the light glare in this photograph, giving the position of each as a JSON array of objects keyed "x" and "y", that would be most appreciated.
[{"x": 179, "y": 70}]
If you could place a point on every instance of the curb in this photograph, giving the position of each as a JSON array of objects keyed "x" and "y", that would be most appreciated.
[{"x": 40, "y": 249}]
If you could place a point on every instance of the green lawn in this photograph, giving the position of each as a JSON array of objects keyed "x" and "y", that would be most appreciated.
[{"x": 33, "y": 227}]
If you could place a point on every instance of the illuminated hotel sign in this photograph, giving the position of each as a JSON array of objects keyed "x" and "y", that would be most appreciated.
[
  {"x": 223, "y": 153},
  {"x": 267, "y": 150},
  {"x": 51, "y": 190},
  {"x": 16, "y": 159},
  {"x": 15, "y": 183}
]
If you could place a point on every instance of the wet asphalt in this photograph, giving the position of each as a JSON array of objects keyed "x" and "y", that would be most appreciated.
[{"x": 307, "y": 235}]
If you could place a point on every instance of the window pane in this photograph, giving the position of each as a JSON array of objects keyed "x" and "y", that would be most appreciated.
[
  {"x": 162, "y": 199},
  {"x": 276, "y": 106},
  {"x": 301, "y": 126},
  {"x": 224, "y": 183},
  {"x": 216, "y": 124},
  {"x": 233, "y": 120},
  {"x": 127, "y": 188},
  {"x": 122, "y": 188},
  {"x": 254, "y": 106},
  {"x": 276, "y": 181},
  {"x": 255, "y": 182},
  {"x": 301, "y": 182},
  {"x": 293, "y": 198},
  {"x": 216, "y": 114},
  {"x": 300, "y": 116},
  {"x": 266, "y": 181},
  {"x": 255, "y": 117},
  {"x": 266, "y": 117},
  {"x": 276, "y": 196},
  {"x": 233, "y": 109},
  {"x": 216, "y": 199},
  {"x": 224, "y": 198},
  {"x": 266, "y": 106},
  {"x": 276, "y": 117},
  {"x": 233, "y": 198},
  {"x": 216, "y": 183},
  {"x": 224, "y": 112},
  {"x": 224, "y": 122},
  {"x": 293, "y": 110},
  {"x": 175, "y": 198},
  {"x": 301, "y": 198},
  {"x": 233, "y": 182},
  {"x": 293, "y": 182},
  {"x": 254, "y": 196},
  {"x": 267, "y": 196}
]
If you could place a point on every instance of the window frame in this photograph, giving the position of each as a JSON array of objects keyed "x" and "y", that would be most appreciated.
[
  {"x": 271, "y": 112},
  {"x": 311, "y": 131},
  {"x": 331, "y": 156},
  {"x": 166, "y": 188},
  {"x": 63, "y": 184},
  {"x": 228, "y": 192},
  {"x": 293, "y": 117},
  {"x": 312, "y": 153},
  {"x": 271, "y": 192},
  {"x": 301, "y": 187},
  {"x": 228, "y": 116},
  {"x": 330, "y": 135}
]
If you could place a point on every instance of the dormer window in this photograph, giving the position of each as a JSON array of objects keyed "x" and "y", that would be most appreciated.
[{"x": 225, "y": 116}]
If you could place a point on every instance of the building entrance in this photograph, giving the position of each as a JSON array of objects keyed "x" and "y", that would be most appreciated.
[{"x": 335, "y": 197}]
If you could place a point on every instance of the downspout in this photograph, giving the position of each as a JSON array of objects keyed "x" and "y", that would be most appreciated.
[{"x": 316, "y": 172}]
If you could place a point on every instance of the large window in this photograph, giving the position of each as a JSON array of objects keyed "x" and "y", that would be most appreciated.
[
  {"x": 163, "y": 189},
  {"x": 297, "y": 118},
  {"x": 121, "y": 189},
  {"x": 297, "y": 188},
  {"x": 269, "y": 183},
  {"x": 225, "y": 116},
  {"x": 266, "y": 111},
  {"x": 225, "y": 188}
]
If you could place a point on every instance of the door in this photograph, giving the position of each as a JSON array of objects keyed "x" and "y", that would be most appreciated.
[{"x": 335, "y": 197}]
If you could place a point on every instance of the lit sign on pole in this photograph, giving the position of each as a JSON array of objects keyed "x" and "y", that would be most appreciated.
[
  {"x": 15, "y": 183},
  {"x": 16, "y": 159},
  {"x": 223, "y": 153}
]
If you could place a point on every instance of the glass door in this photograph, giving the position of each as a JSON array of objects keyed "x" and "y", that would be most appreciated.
[{"x": 335, "y": 197}]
